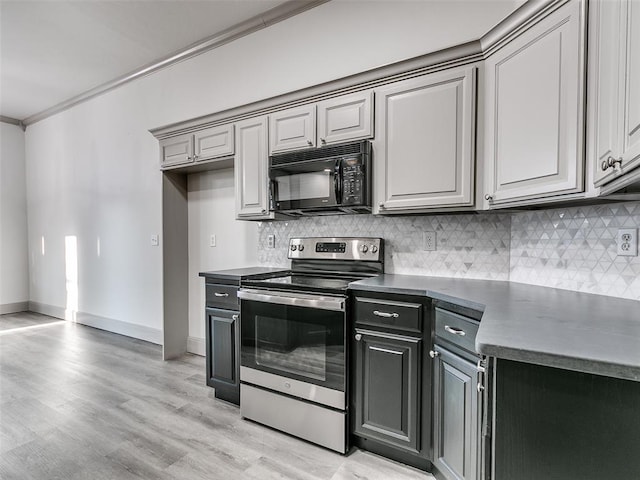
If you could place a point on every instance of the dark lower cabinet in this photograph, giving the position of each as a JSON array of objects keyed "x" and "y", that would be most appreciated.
[
  {"x": 387, "y": 388},
  {"x": 391, "y": 377},
  {"x": 223, "y": 353},
  {"x": 457, "y": 418},
  {"x": 556, "y": 424}
]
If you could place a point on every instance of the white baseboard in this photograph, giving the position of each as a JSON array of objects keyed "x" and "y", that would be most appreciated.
[
  {"x": 197, "y": 345},
  {"x": 14, "y": 307},
  {"x": 109, "y": 324}
]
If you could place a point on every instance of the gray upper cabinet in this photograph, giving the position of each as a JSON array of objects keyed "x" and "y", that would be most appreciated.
[
  {"x": 345, "y": 118},
  {"x": 213, "y": 142},
  {"x": 292, "y": 129},
  {"x": 203, "y": 145},
  {"x": 251, "y": 169},
  {"x": 424, "y": 149},
  {"x": 614, "y": 96},
  {"x": 534, "y": 118},
  {"x": 176, "y": 150}
]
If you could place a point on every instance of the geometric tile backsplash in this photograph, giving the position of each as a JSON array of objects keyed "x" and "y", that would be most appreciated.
[
  {"x": 469, "y": 245},
  {"x": 571, "y": 248},
  {"x": 575, "y": 249}
]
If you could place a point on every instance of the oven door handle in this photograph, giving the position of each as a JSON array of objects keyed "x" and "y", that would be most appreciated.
[{"x": 294, "y": 299}]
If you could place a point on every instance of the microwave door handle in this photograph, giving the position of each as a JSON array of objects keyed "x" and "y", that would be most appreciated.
[{"x": 337, "y": 182}]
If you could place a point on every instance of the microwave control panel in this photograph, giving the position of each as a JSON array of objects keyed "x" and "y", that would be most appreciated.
[{"x": 352, "y": 181}]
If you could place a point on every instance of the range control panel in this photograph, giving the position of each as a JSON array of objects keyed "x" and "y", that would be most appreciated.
[{"x": 342, "y": 248}]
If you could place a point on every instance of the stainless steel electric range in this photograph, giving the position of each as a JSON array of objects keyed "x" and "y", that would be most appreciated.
[{"x": 293, "y": 372}]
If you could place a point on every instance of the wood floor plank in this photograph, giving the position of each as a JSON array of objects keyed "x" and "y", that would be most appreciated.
[{"x": 80, "y": 403}]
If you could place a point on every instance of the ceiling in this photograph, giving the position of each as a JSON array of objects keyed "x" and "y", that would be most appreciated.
[{"x": 54, "y": 50}]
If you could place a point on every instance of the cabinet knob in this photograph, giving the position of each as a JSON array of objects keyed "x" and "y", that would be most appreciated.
[
  {"x": 358, "y": 337},
  {"x": 235, "y": 316},
  {"x": 488, "y": 198},
  {"x": 188, "y": 158},
  {"x": 434, "y": 354},
  {"x": 604, "y": 165},
  {"x": 480, "y": 388},
  {"x": 310, "y": 143},
  {"x": 381, "y": 205},
  {"x": 611, "y": 162},
  {"x": 264, "y": 212},
  {"x": 323, "y": 141},
  {"x": 195, "y": 157}
]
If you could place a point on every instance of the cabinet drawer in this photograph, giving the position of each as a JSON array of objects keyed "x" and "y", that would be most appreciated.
[
  {"x": 222, "y": 296},
  {"x": 456, "y": 329},
  {"x": 395, "y": 315}
]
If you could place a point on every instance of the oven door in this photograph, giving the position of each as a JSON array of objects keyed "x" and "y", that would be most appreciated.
[
  {"x": 307, "y": 184},
  {"x": 297, "y": 336}
]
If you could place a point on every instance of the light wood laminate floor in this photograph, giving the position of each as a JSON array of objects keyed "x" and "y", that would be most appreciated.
[{"x": 80, "y": 403}]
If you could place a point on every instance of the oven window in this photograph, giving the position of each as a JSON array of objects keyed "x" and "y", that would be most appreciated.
[
  {"x": 305, "y": 344},
  {"x": 299, "y": 348},
  {"x": 300, "y": 186}
]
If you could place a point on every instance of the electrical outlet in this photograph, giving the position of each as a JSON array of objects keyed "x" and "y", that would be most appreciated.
[
  {"x": 155, "y": 240},
  {"x": 271, "y": 241},
  {"x": 627, "y": 242},
  {"x": 212, "y": 241},
  {"x": 429, "y": 241}
]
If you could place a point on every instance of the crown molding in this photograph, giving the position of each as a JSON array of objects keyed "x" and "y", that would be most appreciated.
[
  {"x": 270, "y": 17},
  {"x": 13, "y": 121}
]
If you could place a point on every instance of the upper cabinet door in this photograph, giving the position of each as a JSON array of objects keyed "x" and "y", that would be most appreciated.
[
  {"x": 349, "y": 117},
  {"x": 251, "y": 165},
  {"x": 176, "y": 150},
  {"x": 614, "y": 96},
  {"x": 534, "y": 111},
  {"x": 424, "y": 149},
  {"x": 292, "y": 129},
  {"x": 214, "y": 142}
]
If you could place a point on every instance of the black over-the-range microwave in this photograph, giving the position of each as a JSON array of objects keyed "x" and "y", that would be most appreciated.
[{"x": 322, "y": 181}]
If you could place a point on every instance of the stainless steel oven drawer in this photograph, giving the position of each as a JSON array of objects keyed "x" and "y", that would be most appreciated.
[
  {"x": 456, "y": 329},
  {"x": 314, "y": 423},
  {"x": 403, "y": 316},
  {"x": 222, "y": 296}
]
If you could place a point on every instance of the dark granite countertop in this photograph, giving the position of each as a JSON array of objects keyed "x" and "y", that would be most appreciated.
[
  {"x": 546, "y": 326},
  {"x": 238, "y": 274}
]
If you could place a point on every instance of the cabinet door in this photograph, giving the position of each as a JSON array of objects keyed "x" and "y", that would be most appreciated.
[
  {"x": 223, "y": 353},
  {"x": 534, "y": 111},
  {"x": 292, "y": 129},
  {"x": 345, "y": 118},
  {"x": 456, "y": 417},
  {"x": 387, "y": 397},
  {"x": 631, "y": 139},
  {"x": 214, "y": 142},
  {"x": 176, "y": 150},
  {"x": 424, "y": 150},
  {"x": 251, "y": 169}
]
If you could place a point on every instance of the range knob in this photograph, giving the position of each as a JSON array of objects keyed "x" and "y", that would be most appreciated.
[
  {"x": 364, "y": 249},
  {"x": 293, "y": 248},
  {"x": 374, "y": 249},
  {"x": 300, "y": 248}
]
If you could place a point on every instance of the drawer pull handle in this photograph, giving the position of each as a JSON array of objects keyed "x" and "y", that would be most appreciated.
[
  {"x": 385, "y": 314},
  {"x": 218, "y": 294},
  {"x": 454, "y": 331}
]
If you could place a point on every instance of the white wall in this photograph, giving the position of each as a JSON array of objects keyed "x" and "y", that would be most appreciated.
[
  {"x": 211, "y": 210},
  {"x": 14, "y": 269},
  {"x": 93, "y": 174}
]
